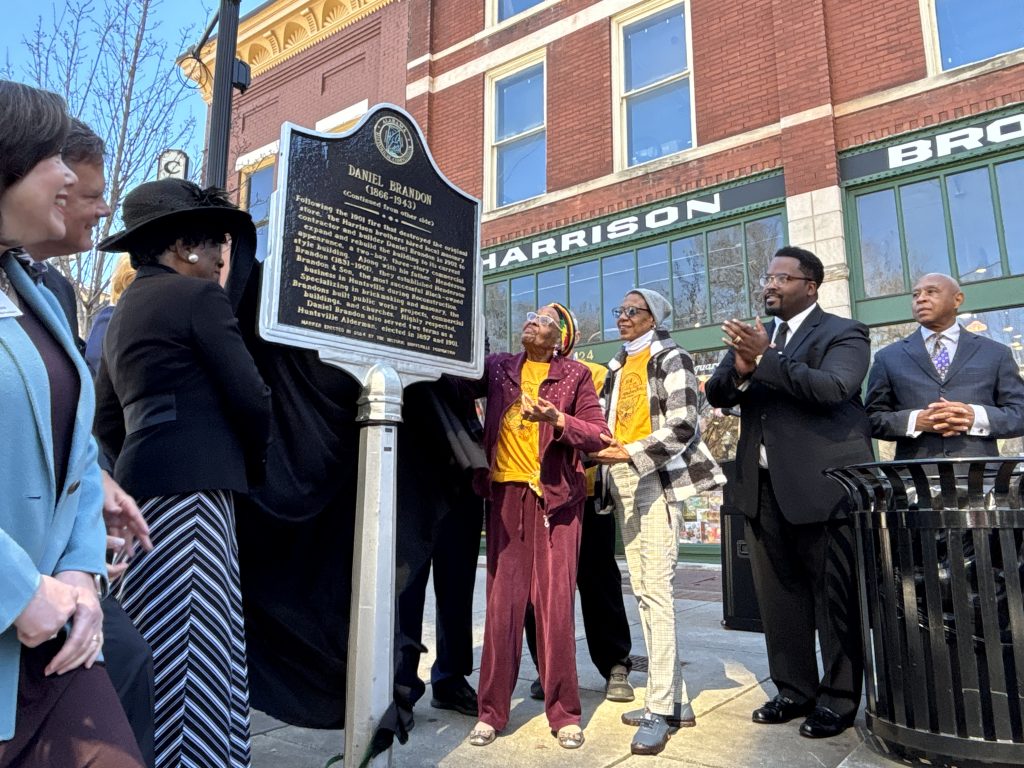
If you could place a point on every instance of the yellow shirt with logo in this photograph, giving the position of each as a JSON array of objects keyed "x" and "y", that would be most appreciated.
[
  {"x": 632, "y": 409},
  {"x": 517, "y": 459}
]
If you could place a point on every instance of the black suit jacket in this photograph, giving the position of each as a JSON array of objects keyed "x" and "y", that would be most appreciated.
[
  {"x": 804, "y": 403},
  {"x": 178, "y": 398},
  {"x": 62, "y": 288},
  {"x": 983, "y": 372}
]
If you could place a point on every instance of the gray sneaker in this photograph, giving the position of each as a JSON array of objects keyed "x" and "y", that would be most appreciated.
[
  {"x": 651, "y": 736},
  {"x": 681, "y": 717},
  {"x": 618, "y": 688}
]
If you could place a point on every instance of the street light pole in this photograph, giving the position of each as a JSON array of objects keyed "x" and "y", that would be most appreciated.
[{"x": 223, "y": 82}]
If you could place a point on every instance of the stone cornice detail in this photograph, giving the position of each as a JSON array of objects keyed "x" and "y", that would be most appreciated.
[{"x": 279, "y": 31}]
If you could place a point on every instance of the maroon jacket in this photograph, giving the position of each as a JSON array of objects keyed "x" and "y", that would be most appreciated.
[{"x": 570, "y": 389}]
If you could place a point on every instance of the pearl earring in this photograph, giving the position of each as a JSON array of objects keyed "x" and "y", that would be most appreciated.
[{"x": 193, "y": 258}]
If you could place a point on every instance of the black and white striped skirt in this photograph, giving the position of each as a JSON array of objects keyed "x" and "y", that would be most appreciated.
[{"x": 184, "y": 598}]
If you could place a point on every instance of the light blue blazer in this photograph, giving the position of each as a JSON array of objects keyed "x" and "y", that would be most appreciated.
[{"x": 43, "y": 529}]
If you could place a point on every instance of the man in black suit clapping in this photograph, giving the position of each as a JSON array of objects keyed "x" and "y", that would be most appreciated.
[{"x": 798, "y": 384}]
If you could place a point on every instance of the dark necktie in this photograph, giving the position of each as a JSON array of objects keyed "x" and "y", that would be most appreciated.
[{"x": 781, "y": 334}]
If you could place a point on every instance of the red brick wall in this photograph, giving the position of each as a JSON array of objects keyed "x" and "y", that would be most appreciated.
[
  {"x": 873, "y": 45},
  {"x": 579, "y": 108},
  {"x": 456, "y": 133},
  {"x": 364, "y": 61},
  {"x": 733, "y": 68}
]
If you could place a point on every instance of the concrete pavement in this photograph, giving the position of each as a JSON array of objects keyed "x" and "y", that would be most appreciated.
[{"x": 726, "y": 673}]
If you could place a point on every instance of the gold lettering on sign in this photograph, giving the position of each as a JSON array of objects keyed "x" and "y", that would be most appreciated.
[{"x": 371, "y": 269}]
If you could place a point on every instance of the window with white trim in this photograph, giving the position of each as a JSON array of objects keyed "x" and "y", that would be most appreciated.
[
  {"x": 653, "y": 83},
  {"x": 965, "y": 31},
  {"x": 258, "y": 184},
  {"x": 506, "y": 9},
  {"x": 517, "y": 134}
]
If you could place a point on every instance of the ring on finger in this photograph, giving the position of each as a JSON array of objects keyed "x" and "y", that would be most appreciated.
[{"x": 737, "y": 339}]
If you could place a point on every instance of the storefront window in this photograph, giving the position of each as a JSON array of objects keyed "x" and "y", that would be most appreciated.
[
  {"x": 689, "y": 282},
  {"x": 964, "y": 222},
  {"x": 1010, "y": 184},
  {"x": 677, "y": 268},
  {"x": 551, "y": 286},
  {"x": 617, "y": 278},
  {"x": 974, "y": 30},
  {"x": 585, "y": 300},
  {"x": 656, "y": 86},
  {"x": 496, "y": 315}
]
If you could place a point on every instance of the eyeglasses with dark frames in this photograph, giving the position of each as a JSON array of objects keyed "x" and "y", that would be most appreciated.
[{"x": 628, "y": 311}]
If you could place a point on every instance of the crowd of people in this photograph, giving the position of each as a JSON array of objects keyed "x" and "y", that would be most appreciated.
[{"x": 132, "y": 636}]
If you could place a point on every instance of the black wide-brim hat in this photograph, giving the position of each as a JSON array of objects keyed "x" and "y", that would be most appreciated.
[{"x": 170, "y": 201}]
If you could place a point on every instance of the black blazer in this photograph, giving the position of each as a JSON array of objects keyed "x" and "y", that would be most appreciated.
[
  {"x": 179, "y": 401},
  {"x": 804, "y": 403},
  {"x": 62, "y": 288},
  {"x": 983, "y": 372}
]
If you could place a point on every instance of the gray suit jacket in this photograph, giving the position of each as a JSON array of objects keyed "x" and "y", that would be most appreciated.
[{"x": 903, "y": 379}]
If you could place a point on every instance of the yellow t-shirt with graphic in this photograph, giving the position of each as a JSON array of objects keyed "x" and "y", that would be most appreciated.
[
  {"x": 598, "y": 373},
  {"x": 632, "y": 409},
  {"x": 517, "y": 459}
]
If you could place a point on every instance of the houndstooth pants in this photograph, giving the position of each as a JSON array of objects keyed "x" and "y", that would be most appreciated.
[{"x": 650, "y": 532}]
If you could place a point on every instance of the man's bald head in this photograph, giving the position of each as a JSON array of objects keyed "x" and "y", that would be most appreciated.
[{"x": 935, "y": 300}]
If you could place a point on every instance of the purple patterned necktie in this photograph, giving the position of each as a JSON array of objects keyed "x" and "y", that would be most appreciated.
[{"x": 940, "y": 356}]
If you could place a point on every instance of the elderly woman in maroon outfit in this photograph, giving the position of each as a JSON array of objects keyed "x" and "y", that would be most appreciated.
[{"x": 542, "y": 413}]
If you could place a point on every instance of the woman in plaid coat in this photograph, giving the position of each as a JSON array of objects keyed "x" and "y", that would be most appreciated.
[{"x": 657, "y": 461}]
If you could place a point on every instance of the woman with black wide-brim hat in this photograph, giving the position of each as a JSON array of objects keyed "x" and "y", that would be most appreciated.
[{"x": 182, "y": 407}]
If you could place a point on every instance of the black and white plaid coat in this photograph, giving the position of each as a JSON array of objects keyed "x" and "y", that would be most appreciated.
[{"x": 674, "y": 448}]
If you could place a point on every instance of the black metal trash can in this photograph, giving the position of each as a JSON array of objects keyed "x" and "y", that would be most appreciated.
[
  {"x": 740, "y": 609},
  {"x": 940, "y": 551}
]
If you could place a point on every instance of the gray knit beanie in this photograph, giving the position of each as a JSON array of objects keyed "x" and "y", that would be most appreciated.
[{"x": 661, "y": 310}]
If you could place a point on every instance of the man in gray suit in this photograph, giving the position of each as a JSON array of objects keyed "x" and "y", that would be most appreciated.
[{"x": 944, "y": 391}]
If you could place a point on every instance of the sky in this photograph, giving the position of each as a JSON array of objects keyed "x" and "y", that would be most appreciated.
[{"x": 20, "y": 19}]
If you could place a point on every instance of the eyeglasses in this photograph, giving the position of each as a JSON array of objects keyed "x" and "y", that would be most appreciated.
[
  {"x": 628, "y": 311},
  {"x": 780, "y": 279},
  {"x": 533, "y": 317}
]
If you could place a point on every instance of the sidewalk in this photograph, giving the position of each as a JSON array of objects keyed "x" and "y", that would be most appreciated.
[{"x": 726, "y": 673}]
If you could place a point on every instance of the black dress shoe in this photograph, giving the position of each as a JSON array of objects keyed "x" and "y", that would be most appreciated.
[
  {"x": 781, "y": 710},
  {"x": 824, "y": 723},
  {"x": 459, "y": 697},
  {"x": 537, "y": 690}
]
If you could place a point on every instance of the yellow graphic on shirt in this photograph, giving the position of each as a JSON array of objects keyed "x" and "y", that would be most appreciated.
[
  {"x": 632, "y": 409},
  {"x": 517, "y": 459}
]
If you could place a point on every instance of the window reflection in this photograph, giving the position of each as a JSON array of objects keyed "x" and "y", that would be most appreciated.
[
  {"x": 585, "y": 300},
  {"x": 924, "y": 228},
  {"x": 496, "y": 315},
  {"x": 524, "y": 299},
  {"x": 617, "y": 278},
  {"x": 689, "y": 282},
  {"x": 725, "y": 269},
  {"x": 975, "y": 242},
  {"x": 509, "y": 8},
  {"x": 652, "y": 269},
  {"x": 763, "y": 239},
  {"x": 260, "y": 185},
  {"x": 520, "y": 138},
  {"x": 1010, "y": 183},
  {"x": 879, "y": 233},
  {"x": 551, "y": 286}
]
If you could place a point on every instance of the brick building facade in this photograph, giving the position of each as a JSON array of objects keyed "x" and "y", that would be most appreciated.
[{"x": 677, "y": 143}]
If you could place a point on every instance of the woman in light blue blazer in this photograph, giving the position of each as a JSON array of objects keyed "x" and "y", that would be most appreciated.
[{"x": 56, "y": 707}]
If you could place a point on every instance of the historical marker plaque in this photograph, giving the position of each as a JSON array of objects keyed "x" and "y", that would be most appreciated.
[{"x": 373, "y": 252}]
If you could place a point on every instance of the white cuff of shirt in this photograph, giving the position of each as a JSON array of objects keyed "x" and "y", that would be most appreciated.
[
  {"x": 911, "y": 432},
  {"x": 981, "y": 426}
]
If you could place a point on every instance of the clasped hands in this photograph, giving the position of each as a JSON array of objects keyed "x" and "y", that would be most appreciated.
[
  {"x": 68, "y": 596},
  {"x": 747, "y": 342},
  {"x": 946, "y": 417}
]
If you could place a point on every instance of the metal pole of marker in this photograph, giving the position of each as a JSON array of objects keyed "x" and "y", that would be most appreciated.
[{"x": 372, "y": 620}]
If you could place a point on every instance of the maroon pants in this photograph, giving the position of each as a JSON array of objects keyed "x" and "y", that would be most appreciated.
[
  {"x": 530, "y": 563},
  {"x": 68, "y": 720}
]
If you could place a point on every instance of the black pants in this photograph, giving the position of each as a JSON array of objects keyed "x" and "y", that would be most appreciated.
[
  {"x": 805, "y": 580},
  {"x": 600, "y": 586},
  {"x": 130, "y": 667},
  {"x": 450, "y": 544}
]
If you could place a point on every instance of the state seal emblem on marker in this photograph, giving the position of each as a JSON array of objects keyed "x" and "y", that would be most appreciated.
[{"x": 393, "y": 139}]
